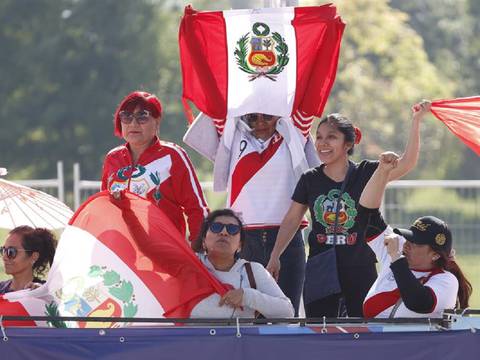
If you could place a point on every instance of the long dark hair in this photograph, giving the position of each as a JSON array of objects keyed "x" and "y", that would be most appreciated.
[
  {"x": 197, "y": 243},
  {"x": 37, "y": 240},
  {"x": 464, "y": 286},
  {"x": 342, "y": 124}
]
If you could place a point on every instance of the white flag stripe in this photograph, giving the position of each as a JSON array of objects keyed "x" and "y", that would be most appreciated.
[
  {"x": 69, "y": 278},
  {"x": 247, "y": 94}
]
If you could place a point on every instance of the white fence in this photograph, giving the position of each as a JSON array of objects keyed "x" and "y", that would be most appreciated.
[
  {"x": 53, "y": 187},
  {"x": 456, "y": 201}
]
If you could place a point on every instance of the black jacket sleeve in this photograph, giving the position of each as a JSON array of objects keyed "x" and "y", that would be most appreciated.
[
  {"x": 370, "y": 221},
  {"x": 415, "y": 295}
]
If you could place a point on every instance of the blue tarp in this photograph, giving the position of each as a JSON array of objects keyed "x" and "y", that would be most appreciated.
[{"x": 223, "y": 343}]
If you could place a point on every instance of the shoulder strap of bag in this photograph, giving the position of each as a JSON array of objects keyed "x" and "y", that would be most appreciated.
[
  {"x": 251, "y": 278},
  {"x": 337, "y": 210},
  {"x": 253, "y": 283}
]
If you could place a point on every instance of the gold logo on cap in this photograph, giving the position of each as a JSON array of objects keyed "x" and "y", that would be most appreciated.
[
  {"x": 420, "y": 225},
  {"x": 440, "y": 239}
]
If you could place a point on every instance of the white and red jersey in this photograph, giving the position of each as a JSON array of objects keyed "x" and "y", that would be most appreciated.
[
  {"x": 164, "y": 175},
  {"x": 261, "y": 180},
  {"x": 384, "y": 294}
]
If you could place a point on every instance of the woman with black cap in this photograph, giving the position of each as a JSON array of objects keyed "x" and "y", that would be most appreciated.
[{"x": 418, "y": 276}]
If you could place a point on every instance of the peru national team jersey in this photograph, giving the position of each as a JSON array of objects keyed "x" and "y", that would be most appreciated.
[
  {"x": 384, "y": 294},
  {"x": 165, "y": 176},
  {"x": 261, "y": 179}
]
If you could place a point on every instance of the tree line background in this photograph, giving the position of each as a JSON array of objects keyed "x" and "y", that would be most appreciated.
[{"x": 66, "y": 64}]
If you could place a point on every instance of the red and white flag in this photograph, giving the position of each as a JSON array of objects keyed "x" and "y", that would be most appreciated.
[
  {"x": 279, "y": 61},
  {"x": 462, "y": 117},
  {"x": 121, "y": 258}
]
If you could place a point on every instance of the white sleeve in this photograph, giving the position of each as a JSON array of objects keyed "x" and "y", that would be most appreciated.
[
  {"x": 379, "y": 248},
  {"x": 267, "y": 298},
  {"x": 202, "y": 136},
  {"x": 445, "y": 289}
]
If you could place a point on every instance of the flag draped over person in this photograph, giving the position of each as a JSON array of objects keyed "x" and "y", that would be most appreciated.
[
  {"x": 118, "y": 258},
  {"x": 279, "y": 61},
  {"x": 462, "y": 117}
]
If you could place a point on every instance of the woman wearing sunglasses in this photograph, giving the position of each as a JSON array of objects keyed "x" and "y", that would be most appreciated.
[
  {"x": 254, "y": 290},
  {"x": 26, "y": 254},
  {"x": 153, "y": 169}
]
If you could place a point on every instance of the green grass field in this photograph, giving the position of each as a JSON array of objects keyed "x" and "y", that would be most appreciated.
[{"x": 470, "y": 264}]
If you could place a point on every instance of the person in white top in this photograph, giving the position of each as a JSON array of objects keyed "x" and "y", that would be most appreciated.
[
  {"x": 258, "y": 159},
  {"x": 418, "y": 274},
  {"x": 254, "y": 291}
]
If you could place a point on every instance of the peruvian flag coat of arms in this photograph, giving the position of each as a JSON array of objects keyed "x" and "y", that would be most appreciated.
[{"x": 278, "y": 61}]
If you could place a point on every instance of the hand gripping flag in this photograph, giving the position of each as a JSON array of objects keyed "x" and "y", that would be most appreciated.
[
  {"x": 119, "y": 258},
  {"x": 279, "y": 61},
  {"x": 462, "y": 117}
]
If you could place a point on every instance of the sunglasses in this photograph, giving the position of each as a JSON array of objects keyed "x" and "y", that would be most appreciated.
[
  {"x": 255, "y": 117},
  {"x": 11, "y": 251},
  {"x": 217, "y": 227},
  {"x": 142, "y": 117}
]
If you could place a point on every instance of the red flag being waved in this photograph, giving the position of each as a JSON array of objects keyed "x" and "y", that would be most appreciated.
[
  {"x": 146, "y": 241},
  {"x": 117, "y": 258},
  {"x": 279, "y": 61},
  {"x": 462, "y": 117}
]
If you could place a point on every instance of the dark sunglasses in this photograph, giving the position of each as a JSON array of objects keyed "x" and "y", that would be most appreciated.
[
  {"x": 11, "y": 251},
  {"x": 217, "y": 227},
  {"x": 255, "y": 117},
  {"x": 142, "y": 117}
]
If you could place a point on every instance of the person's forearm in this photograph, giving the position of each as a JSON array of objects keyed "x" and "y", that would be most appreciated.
[
  {"x": 288, "y": 228},
  {"x": 372, "y": 194},
  {"x": 416, "y": 297},
  {"x": 410, "y": 156}
]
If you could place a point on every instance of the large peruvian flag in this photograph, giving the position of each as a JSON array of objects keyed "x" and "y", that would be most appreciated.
[
  {"x": 279, "y": 61},
  {"x": 119, "y": 258}
]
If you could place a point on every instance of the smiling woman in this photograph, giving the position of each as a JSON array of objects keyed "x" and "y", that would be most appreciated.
[{"x": 334, "y": 216}]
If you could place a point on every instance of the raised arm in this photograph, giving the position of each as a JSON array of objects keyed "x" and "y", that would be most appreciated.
[
  {"x": 372, "y": 194},
  {"x": 410, "y": 156},
  {"x": 288, "y": 228}
]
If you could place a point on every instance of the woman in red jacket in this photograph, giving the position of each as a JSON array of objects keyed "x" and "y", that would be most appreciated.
[{"x": 157, "y": 170}]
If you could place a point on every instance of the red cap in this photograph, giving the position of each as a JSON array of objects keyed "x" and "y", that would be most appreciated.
[{"x": 137, "y": 98}]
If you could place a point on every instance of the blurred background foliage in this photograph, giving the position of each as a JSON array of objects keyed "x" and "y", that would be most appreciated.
[{"x": 67, "y": 63}]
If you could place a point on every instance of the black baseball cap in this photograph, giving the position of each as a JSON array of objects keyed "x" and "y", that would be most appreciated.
[{"x": 429, "y": 230}]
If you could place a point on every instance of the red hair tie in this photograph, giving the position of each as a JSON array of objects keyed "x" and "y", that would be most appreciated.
[{"x": 358, "y": 136}]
